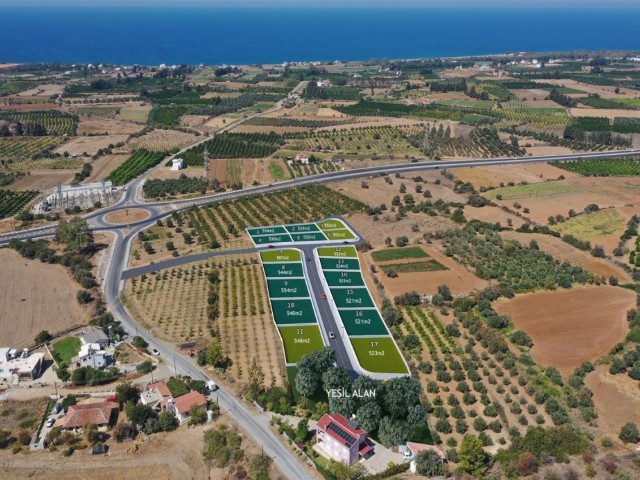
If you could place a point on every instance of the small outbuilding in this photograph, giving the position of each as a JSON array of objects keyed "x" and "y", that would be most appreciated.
[{"x": 177, "y": 164}]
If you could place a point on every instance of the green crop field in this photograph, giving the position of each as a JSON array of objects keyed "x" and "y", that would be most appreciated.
[
  {"x": 20, "y": 148},
  {"x": 592, "y": 225},
  {"x": 379, "y": 355},
  {"x": 487, "y": 104},
  {"x": 408, "y": 267},
  {"x": 12, "y": 202},
  {"x": 288, "y": 255},
  {"x": 619, "y": 167},
  {"x": 67, "y": 348},
  {"x": 532, "y": 190},
  {"x": 399, "y": 253},
  {"x": 276, "y": 171},
  {"x": 138, "y": 163},
  {"x": 299, "y": 341}
]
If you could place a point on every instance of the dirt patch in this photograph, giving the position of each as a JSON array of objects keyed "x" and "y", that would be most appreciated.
[
  {"x": 90, "y": 145},
  {"x": 35, "y": 296},
  {"x": 161, "y": 140},
  {"x": 42, "y": 180},
  {"x": 492, "y": 215},
  {"x": 604, "y": 112},
  {"x": 615, "y": 398},
  {"x": 103, "y": 166},
  {"x": 104, "y": 126},
  {"x": 167, "y": 173},
  {"x": 566, "y": 253},
  {"x": 494, "y": 176},
  {"x": 569, "y": 327},
  {"x": 129, "y": 215}
]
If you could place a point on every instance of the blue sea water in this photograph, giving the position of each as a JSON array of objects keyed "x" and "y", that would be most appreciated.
[{"x": 242, "y": 35}]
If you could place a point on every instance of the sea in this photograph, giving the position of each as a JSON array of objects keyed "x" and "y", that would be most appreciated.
[{"x": 211, "y": 35}]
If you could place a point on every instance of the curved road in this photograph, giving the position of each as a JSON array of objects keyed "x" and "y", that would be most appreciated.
[{"x": 256, "y": 425}]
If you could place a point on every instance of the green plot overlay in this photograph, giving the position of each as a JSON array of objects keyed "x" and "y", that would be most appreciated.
[
  {"x": 378, "y": 355},
  {"x": 352, "y": 297},
  {"x": 299, "y": 341},
  {"x": 296, "y": 288},
  {"x": 288, "y": 312},
  {"x": 363, "y": 322},
  {"x": 283, "y": 270}
]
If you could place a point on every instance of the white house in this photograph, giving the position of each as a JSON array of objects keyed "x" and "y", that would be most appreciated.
[
  {"x": 302, "y": 158},
  {"x": 180, "y": 406},
  {"x": 90, "y": 355},
  {"x": 341, "y": 440},
  {"x": 177, "y": 164}
]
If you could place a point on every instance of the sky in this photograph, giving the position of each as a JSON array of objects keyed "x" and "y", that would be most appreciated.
[{"x": 340, "y": 3}]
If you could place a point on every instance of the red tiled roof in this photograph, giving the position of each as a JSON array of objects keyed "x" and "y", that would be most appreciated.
[
  {"x": 161, "y": 387},
  {"x": 364, "y": 448},
  {"x": 79, "y": 415},
  {"x": 184, "y": 403},
  {"x": 343, "y": 423}
]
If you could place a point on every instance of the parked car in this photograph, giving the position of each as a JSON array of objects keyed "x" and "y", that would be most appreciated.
[
  {"x": 50, "y": 422},
  {"x": 332, "y": 335},
  {"x": 155, "y": 351},
  {"x": 211, "y": 385}
]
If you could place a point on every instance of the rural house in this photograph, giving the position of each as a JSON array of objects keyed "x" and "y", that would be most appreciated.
[
  {"x": 156, "y": 396},
  {"x": 92, "y": 335},
  {"x": 90, "y": 355},
  {"x": 180, "y": 406},
  {"x": 341, "y": 440},
  {"x": 98, "y": 413}
]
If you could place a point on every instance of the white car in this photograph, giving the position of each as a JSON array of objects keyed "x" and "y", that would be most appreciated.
[
  {"x": 332, "y": 335},
  {"x": 50, "y": 422},
  {"x": 155, "y": 351}
]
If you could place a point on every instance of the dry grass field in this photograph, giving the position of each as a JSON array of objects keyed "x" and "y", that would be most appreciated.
[
  {"x": 162, "y": 456},
  {"x": 493, "y": 176},
  {"x": 102, "y": 126},
  {"x": 43, "y": 180},
  {"x": 161, "y": 140},
  {"x": 35, "y": 296},
  {"x": 103, "y": 166},
  {"x": 90, "y": 145},
  {"x": 136, "y": 112},
  {"x": 609, "y": 390},
  {"x": 569, "y": 327},
  {"x": 173, "y": 304}
]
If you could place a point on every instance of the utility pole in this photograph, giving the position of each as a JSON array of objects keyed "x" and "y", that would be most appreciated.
[
  {"x": 206, "y": 162},
  {"x": 175, "y": 370}
]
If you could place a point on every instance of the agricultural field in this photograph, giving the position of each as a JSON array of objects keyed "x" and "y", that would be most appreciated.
[
  {"x": 470, "y": 388},
  {"x": 174, "y": 305},
  {"x": 160, "y": 141},
  {"x": 11, "y": 202},
  {"x": 21, "y": 148},
  {"x": 620, "y": 167},
  {"x": 572, "y": 329},
  {"x": 233, "y": 145},
  {"x": 50, "y": 122},
  {"x": 138, "y": 163},
  {"x": 43, "y": 296},
  {"x": 531, "y": 190},
  {"x": 399, "y": 254},
  {"x": 359, "y": 141},
  {"x": 590, "y": 226},
  {"x": 100, "y": 111}
]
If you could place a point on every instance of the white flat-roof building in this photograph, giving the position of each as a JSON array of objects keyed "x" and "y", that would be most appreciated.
[
  {"x": 90, "y": 355},
  {"x": 24, "y": 367},
  {"x": 177, "y": 164}
]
